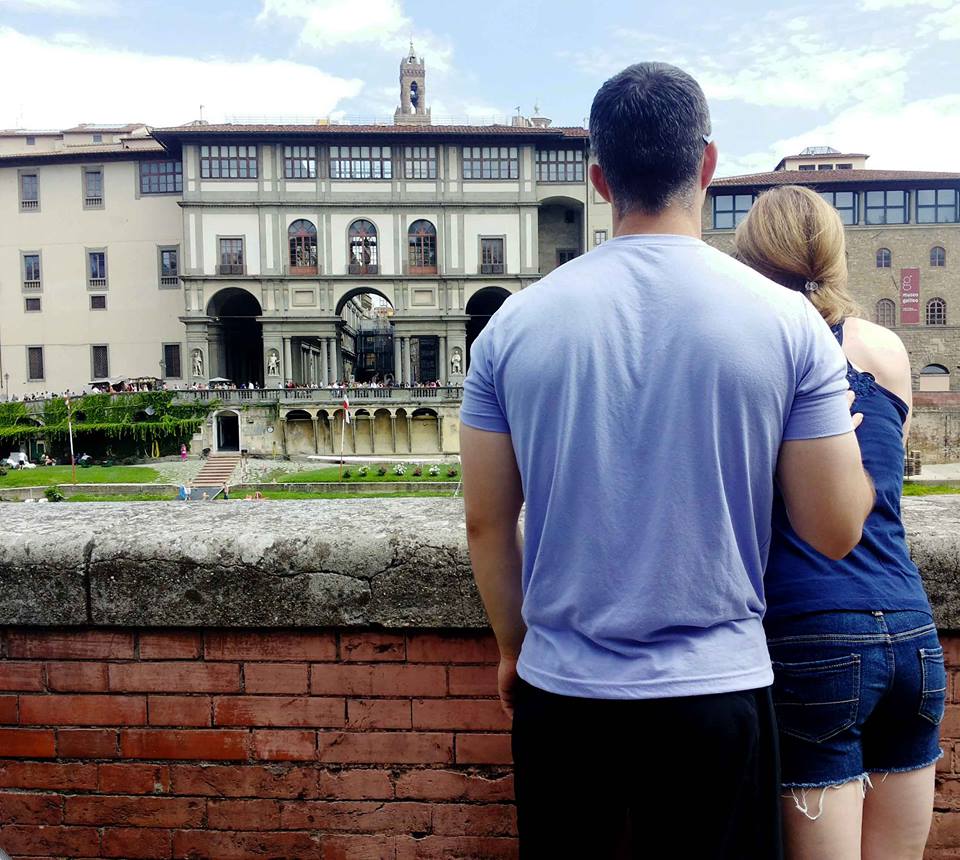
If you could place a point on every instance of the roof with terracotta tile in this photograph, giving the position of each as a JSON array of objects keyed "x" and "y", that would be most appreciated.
[
  {"x": 111, "y": 152},
  {"x": 832, "y": 177}
]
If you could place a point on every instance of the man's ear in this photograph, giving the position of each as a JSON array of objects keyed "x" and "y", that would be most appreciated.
[
  {"x": 710, "y": 155},
  {"x": 600, "y": 182}
]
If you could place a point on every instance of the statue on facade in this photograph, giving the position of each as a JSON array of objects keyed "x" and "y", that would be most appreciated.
[
  {"x": 456, "y": 360},
  {"x": 198, "y": 362},
  {"x": 273, "y": 363}
]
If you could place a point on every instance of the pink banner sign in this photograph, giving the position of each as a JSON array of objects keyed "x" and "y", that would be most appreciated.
[{"x": 909, "y": 296}]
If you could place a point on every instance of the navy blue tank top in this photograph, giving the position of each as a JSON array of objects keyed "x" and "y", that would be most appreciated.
[{"x": 878, "y": 574}]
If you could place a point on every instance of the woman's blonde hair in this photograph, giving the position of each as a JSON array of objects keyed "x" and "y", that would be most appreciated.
[{"x": 794, "y": 237}]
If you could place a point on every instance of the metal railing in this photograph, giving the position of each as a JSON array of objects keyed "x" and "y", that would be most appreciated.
[{"x": 319, "y": 395}]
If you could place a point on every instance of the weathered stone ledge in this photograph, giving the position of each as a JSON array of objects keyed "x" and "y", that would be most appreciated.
[{"x": 383, "y": 562}]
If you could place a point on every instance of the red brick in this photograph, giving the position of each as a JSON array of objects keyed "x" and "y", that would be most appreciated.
[
  {"x": 450, "y": 648},
  {"x": 386, "y": 747},
  {"x": 70, "y": 644},
  {"x": 243, "y": 815},
  {"x": 243, "y": 781},
  {"x": 448, "y": 847},
  {"x": 178, "y": 710},
  {"x": 384, "y": 680},
  {"x": 447, "y": 785},
  {"x": 951, "y": 650},
  {"x": 227, "y": 845},
  {"x": 950, "y": 727},
  {"x": 21, "y": 677},
  {"x": 199, "y": 744},
  {"x": 135, "y": 811},
  {"x": 474, "y": 819},
  {"x": 355, "y": 816},
  {"x": 8, "y": 710},
  {"x": 484, "y": 749},
  {"x": 39, "y": 839},
  {"x": 472, "y": 680},
  {"x": 76, "y": 677},
  {"x": 356, "y": 846},
  {"x": 378, "y": 714},
  {"x": 86, "y": 743},
  {"x": 278, "y": 711},
  {"x": 134, "y": 843},
  {"x": 28, "y": 774},
  {"x": 469, "y": 714},
  {"x": 170, "y": 645},
  {"x": 83, "y": 710},
  {"x": 285, "y": 745},
  {"x": 174, "y": 678},
  {"x": 276, "y": 677},
  {"x": 355, "y": 784},
  {"x": 945, "y": 830},
  {"x": 30, "y": 808},
  {"x": 371, "y": 646},
  {"x": 133, "y": 779},
  {"x": 241, "y": 645},
  {"x": 945, "y": 764},
  {"x": 26, "y": 743}
]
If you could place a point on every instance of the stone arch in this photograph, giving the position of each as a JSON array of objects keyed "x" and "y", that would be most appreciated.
[
  {"x": 935, "y": 377},
  {"x": 482, "y": 305},
  {"x": 342, "y": 434},
  {"x": 324, "y": 432},
  {"x": 300, "y": 436},
  {"x": 363, "y": 432},
  {"x": 403, "y": 430},
  {"x": 227, "y": 430},
  {"x": 559, "y": 231},
  {"x": 425, "y": 431},
  {"x": 383, "y": 431},
  {"x": 240, "y": 336}
]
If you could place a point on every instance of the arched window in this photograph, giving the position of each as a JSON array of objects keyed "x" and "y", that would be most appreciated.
[
  {"x": 935, "y": 377},
  {"x": 302, "y": 237},
  {"x": 886, "y": 313},
  {"x": 422, "y": 245},
  {"x": 884, "y": 258},
  {"x": 936, "y": 312},
  {"x": 938, "y": 256},
  {"x": 364, "y": 259}
]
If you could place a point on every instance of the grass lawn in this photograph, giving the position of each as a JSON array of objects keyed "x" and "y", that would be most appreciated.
[
  {"x": 910, "y": 489},
  {"x": 330, "y": 473},
  {"x": 45, "y": 476},
  {"x": 137, "y": 497},
  {"x": 282, "y": 495}
]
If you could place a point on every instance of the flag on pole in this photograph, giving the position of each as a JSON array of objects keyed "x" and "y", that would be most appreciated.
[{"x": 346, "y": 409}]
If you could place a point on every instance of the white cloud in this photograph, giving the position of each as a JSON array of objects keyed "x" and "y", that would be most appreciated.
[
  {"x": 945, "y": 25},
  {"x": 63, "y": 7},
  {"x": 879, "y": 5},
  {"x": 74, "y": 81}
]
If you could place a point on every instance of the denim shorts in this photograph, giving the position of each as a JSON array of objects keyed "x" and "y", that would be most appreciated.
[{"x": 856, "y": 693}]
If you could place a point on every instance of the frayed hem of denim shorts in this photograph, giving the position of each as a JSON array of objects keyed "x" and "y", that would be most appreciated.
[{"x": 886, "y": 770}]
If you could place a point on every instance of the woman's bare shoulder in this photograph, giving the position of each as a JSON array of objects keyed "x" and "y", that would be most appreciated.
[{"x": 877, "y": 349}]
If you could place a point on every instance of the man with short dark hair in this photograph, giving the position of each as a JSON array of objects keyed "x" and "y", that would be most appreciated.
[{"x": 640, "y": 400}]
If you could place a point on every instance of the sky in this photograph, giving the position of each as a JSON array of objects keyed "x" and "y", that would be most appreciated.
[{"x": 875, "y": 76}]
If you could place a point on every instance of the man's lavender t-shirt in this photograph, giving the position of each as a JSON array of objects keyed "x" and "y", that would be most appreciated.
[{"x": 647, "y": 387}]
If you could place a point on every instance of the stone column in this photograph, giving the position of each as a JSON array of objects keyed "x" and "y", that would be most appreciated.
[
  {"x": 407, "y": 367},
  {"x": 334, "y": 370},
  {"x": 287, "y": 360},
  {"x": 409, "y": 434},
  {"x": 443, "y": 360},
  {"x": 316, "y": 435},
  {"x": 393, "y": 430},
  {"x": 397, "y": 361},
  {"x": 333, "y": 444},
  {"x": 324, "y": 369}
]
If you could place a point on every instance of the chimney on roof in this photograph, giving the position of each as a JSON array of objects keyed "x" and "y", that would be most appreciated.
[{"x": 413, "y": 108}]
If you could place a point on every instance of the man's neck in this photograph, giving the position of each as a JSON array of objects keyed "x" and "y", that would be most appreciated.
[{"x": 675, "y": 220}]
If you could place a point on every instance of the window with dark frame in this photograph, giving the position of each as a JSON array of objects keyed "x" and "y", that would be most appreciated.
[
  {"x": 362, "y": 242},
  {"x": 31, "y": 140},
  {"x": 228, "y": 161},
  {"x": 938, "y": 206},
  {"x": 361, "y": 162},
  {"x": 302, "y": 239},
  {"x": 560, "y": 165},
  {"x": 98, "y": 303},
  {"x": 491, "y": 256},
  {"x": 231, "y": 257},
  {"x": 936, "y": 312},
  {"x": 824, "y": 167},
  {"x": 29, "y": 191},
  {"x": 807, "y": 167},
  {"x": 169, "y": 267},
  {"x": 34, "y": 363},
  {"x": 31, "y": 304},
  {"x": 422, "y": 248},
  {"x": 491, "y": 162},
  {"x": 171, "y": 361},
  {"x": 730, "y": 209},
  {"x": 31, "y": 272},
  {"x": 845, "y": 167},
  {"x": 98, "y": 138},
  {"x": 938, "y": 257},
  {"x": 100, "y": 361},
  {"x": 96, "y": 268},
  {"x": 599, "y": 237},
  {"x": 93, "y": 188},
  {"x": 161, "y": 177},
  {"x": 845, "y": 202},
  {"x": 565, "y": 255},
  {"x": 886, "y": 313},
  {"x": 884, "y": 258},
  {"x": 886, "y": 207},
  {"x": 300, "y": 162},
  {"x": 420, "y": 162}
]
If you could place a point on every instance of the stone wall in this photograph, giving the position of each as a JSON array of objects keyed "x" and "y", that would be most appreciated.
[{"x": 265, "y": 680}]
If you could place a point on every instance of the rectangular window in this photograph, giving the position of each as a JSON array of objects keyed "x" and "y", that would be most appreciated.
[
  {"x": 938, "y": 206},
  {"x": 29, "y": 191},
  {"x": 171, "y": 361},
  {"x": 34, "y": 363},
  {"x": 161, "y": 177},
  {"x": 100, "y": 362},
  {"x": 599, "y": 237},
  {"x": 824, "y": 167},
  {"x": 31, "y": 140},
  {"x": 31, "y": 304},
  {"x": 886, "y": 207},
  {"x": 98, "y": 138},
  {"x": 565, "y": 255},
  {"x": 559, "y": 165},
  {"x": 844, "y": 167},
  {"x": 170, "y": 267},
  {"x": 231, "y": 257},
  {"x": 300, "y": 162},
  {"x": 845, "y": 202},
  {"x": 98, "y": 303},
  {"x": 361, "y": 162},
  {"x": 730, "y": 209},
  {"x": 92, "y": 188},
  {"x": 807, "y": 167},
  {"x": 420, "y": 162},
  {"x": 491, "y": 162},
  {"x": 228, "y": 162},
  {"x": 96, "y": 269},
  {"x": 491, "y": 256},
  {"x": 31, "y": 272}
]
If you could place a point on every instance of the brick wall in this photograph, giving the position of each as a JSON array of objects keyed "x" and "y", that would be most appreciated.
[{"x": 337, "y": 745}]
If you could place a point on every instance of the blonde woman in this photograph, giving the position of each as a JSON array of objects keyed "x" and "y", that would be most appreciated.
[{"x": 860, "y": 683}]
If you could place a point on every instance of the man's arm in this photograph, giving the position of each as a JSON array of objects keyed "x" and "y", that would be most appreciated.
[{"x": 493, "y": 496}]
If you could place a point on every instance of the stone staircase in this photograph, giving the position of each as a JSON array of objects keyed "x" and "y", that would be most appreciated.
[{"x": 216, "y": 472}]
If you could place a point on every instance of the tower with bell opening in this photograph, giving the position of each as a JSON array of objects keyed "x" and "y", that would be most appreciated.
[{"x": 413, "y": 108}]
